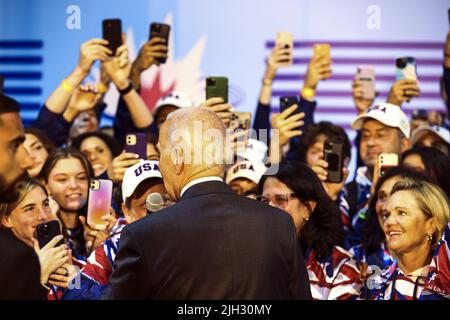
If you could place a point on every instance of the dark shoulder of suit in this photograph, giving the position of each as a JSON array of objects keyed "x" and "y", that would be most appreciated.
[
  {"x": 214, "y": 244},
  {"x": 19, "y": 269}
]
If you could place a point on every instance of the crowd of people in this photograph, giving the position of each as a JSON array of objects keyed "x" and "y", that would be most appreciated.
[{"x": 224, "y": 230}]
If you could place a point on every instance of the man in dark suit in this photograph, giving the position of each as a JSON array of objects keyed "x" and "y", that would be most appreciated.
[
  {"x": 212, "y": 244},
  {"x": 19, "y": 264}
]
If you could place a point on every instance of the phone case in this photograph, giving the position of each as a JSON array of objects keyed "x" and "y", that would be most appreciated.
[
  {"x": 137, "y": 143},
  {"x": 366, "y": 74},
  {"x": 286, "y": 39},
  {"x": 46, "y": 231},
  {"x": 287, "y": 101},
  {"x": 333, "y": 155},
  {"x": 217, "y": 87},
  {"x": 322, "y": 48},
  {"x": 405, "y": 68},
  {"x": 112, "y": 31},
  {"x": 100, "y": 195},
  {"x": 160, "y": 30},
  {"x": 2, "y": 83},
  {"x": 240, "y": 120},
  {"x": 386, "y": 161}
]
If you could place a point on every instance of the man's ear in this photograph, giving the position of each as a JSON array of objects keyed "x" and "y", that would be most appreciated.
[{"x": 179, "y": 160}]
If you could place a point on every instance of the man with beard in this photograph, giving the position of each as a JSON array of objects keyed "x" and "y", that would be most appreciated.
[{"x": 19, "y": 264}]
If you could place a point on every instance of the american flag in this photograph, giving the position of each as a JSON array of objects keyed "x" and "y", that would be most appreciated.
[{"x": 334, "y": 95}]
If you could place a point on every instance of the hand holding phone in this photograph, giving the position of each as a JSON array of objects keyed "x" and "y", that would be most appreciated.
[
  {"x": 405, "y": 68},
  {"x": 323, "y": 50},
  {"x": 366, "y": 76},
  {"x": 333, "y": 155},
  {"x": 285, "y": 40},
  {"x": 112, "y": 31},
  {"x": 240, "y": 120},
  {"x": 217, "y": 87},
  {"x": 160, "y": 30},
  {"x": 46, "y": 231},
  {"x": 288, "y": 101},
  {"x": 137, "y": 143},
  {"x": 386, "y": 161},
  {"x": 99, "y": 202}
]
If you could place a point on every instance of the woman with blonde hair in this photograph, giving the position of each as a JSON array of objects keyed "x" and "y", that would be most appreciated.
[{"x": 415, "y": 218}]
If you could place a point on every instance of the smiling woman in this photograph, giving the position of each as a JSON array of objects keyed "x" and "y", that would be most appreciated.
[
  {"x": 99, "y": 149},
  {"x": 414, "y": 219},
  {"x": 66, "y": 174}
]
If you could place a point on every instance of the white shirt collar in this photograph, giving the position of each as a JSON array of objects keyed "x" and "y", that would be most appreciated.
[{"x": 197, "y": 181}]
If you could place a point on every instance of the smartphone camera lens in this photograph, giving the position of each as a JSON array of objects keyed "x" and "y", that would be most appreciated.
[
  {"x": 211, "y": 82},
  {"x": 401, "y": 63}
]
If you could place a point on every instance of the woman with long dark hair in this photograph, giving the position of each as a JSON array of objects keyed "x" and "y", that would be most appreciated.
[{"x": 296, "y": 189}]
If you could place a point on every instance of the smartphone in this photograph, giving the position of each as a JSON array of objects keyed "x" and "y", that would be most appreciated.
[
  {"x": 322, "y": 49},
  {"x": 366, "y": 75},
  {"x": 405, "y": 68},
  {"x": 386, "y": 161},
  {"x": 240, "y": 120},
  {"x": 46, "y": 231},
  {"x": 112, "y": 31},
  {"x": 288, "y": 101},
  {"x": 286, "y": 40},
  {"x": 160, "y": 30},
  {"x": 137, "y": 143},
  {"x": 217, "y": 87},
  {"x": 332, "y": 151},
  {"x": 2, "y": 83},
  {"x": 448, "y": 16},
  {"x": 99, "y": 202}
]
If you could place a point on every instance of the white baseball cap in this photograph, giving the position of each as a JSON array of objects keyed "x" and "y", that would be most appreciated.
[
  {"x": 386, "y": 113},
  {"x": 175, "y": 98},
  {"x": 419, "y": 132},
  {"x": 255, "y": 151},
  {"x": 246, "y": 169},
  {"x": 134, "y": 175}
]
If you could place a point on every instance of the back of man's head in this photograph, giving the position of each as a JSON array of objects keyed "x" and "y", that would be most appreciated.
[{"x": 202, "y": 132}]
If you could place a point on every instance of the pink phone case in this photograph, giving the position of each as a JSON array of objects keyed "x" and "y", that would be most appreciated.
[
  {"x": 100, "y": 194},
  {"x": 366, "y": 74}
]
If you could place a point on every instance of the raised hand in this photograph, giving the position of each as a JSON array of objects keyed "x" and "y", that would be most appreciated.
[
  {"x": 287, "y": 123},
  {"x": 403, "y": 90}
]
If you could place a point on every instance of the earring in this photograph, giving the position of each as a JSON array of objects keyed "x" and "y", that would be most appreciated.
[{"x": 429, "y": 237}]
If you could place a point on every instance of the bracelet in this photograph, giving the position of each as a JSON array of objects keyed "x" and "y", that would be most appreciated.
[
  {"x": 127, "y": 89},
  {"x": 308, "y": 93},
  {"x": 66, "y": 86},
  {"x": 101, "y": 87}
]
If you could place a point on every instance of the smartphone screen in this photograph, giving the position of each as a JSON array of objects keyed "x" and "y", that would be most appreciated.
[
  {"x": 136, "y": 143},
  {"x": 112, "y": 31},
  {"x": 217, "y": 87},
  {"x": 99, "y": 202}
]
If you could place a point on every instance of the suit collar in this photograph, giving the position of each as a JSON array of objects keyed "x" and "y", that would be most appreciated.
[{"x": 208, "y": 187}]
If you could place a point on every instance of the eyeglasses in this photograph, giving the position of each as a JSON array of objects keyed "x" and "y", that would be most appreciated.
[{"x": 279, "y": 200}]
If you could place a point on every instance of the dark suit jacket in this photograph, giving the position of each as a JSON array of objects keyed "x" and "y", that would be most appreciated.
[
  {"x": 212, "y": 244},
  {"x": 20, "y": 272}
]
